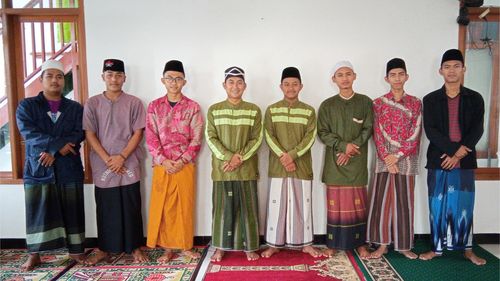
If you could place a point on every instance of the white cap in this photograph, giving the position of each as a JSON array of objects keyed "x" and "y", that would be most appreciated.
[
  {"x": 340, "y": 64},
  {"x": 52, "y": 64}
]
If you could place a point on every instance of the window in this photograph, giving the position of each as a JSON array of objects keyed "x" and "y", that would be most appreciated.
[
  {"x": 479, "y": 43},
  {"x": 5, "y": 166},
  {"x": 44, "y": 4},
  {"x": 34, "y": 31}
]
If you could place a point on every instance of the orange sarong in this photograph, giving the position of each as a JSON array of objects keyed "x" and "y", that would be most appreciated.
[{"x": 171, "y": 208}]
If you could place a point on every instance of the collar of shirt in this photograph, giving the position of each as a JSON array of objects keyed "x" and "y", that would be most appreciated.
[
  {"x": 180, "y": 102},
  {"x": 403, "y": 99},
  {"x": 349, "y": 98},
  {"x": 463, "y": 92},
  {"x": 117, "y": 98},
  {"x": 284, "y": 102}
]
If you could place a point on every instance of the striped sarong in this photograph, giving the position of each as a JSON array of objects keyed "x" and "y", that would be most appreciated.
[
  {"x": 289, "y": 215},
  {"x": 346, "y": 218},
  {"x": 451, "y": 207},
  {"x": 119, "y": 218},
  {"x": 391, "y": 211},
  {"x": 235, "y": 224},
  {"x": 171, "y": 208},
  {"x": 55, "y": 217}
]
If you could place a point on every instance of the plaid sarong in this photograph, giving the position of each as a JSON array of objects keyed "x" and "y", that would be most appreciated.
[{"x": 55, "y": 217}]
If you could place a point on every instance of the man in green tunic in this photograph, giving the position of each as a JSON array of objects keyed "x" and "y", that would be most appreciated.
[
  {"x": 234, "y": 134},
  {"x": 345, "y": 126},
  {"x": 290, "y": 131}
]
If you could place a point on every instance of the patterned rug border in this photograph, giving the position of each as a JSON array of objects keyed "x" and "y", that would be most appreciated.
[
  {"x": 200, "y": 262},
  {"x": 355, "y": 264},
  {"x": 370, "y": 267}
]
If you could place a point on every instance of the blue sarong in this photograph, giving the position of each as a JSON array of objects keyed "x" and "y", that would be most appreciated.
[{"x": 451, "y": 208}]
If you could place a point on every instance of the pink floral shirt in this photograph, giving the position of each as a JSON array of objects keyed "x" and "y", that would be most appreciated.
[
  {"x": 174, "y": 132},
  {"x": 396, "y": 130}
]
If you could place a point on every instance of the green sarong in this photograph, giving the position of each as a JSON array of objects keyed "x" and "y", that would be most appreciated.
[
  {"x": 235, "y": 224},
  {"x": 55, "y": 217}
]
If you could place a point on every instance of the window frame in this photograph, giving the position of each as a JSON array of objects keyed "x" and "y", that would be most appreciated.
[
  {"x": 494, "y": 15},
  {"x": 11, "y": 23}
]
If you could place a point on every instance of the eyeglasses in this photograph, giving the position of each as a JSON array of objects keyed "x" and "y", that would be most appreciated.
[{"x": 173, "y": 79}]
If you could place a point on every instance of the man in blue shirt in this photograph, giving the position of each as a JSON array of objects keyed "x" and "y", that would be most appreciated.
[{"x": 51, "y": 126}]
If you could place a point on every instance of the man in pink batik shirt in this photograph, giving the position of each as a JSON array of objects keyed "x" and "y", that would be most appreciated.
[{"x": 174, "y": 129}]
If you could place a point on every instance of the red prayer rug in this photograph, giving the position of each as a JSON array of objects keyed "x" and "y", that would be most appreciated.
[
  {"x": 122, "y": 268},
  {"x": 53, "y": 264},
  {"x": 285, "y": 265}
]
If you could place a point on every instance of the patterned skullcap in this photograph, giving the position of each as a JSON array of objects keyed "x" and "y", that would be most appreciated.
[{"x": 234, "y": 71}]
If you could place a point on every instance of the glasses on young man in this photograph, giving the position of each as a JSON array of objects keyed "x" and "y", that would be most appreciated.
[{"x": 173, "y": 79}]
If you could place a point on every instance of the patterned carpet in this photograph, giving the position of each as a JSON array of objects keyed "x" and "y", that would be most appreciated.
[
  {"x": 451, "y": 266},
  {"x": 53, "y": 264},
  {"x": 57, "y": 267},
  {"x": 285, "y": 265}
]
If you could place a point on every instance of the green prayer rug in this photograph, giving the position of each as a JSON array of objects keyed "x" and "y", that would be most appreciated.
[{"x": 451, "y": 266}]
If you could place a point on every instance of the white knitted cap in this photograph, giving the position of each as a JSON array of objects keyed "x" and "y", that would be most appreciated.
[
  {"x": 52, "y": 64},
  {"x": 340, "y": 64}
]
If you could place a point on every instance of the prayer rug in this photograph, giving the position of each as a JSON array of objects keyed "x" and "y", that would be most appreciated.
[
  {"x": 285, "y": 265},
  {"x": 451, "y": 266},
  {"x": 53, "y": 264},
  {"x": 122, "y": 268}
]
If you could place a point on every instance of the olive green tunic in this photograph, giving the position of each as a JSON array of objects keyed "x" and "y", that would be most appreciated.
[
  {"x": 290, "y": 129},
  {"x": 234, "y": 129},
  {"x": 340, "y": 122}
]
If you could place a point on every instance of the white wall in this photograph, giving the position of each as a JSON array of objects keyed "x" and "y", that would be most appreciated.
[
  {"x": 263, "y": 37},
  {"x": 491, "y": 3}
]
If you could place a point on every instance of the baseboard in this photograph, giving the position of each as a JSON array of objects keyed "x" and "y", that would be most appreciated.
[{"x": 17, "y": 243}]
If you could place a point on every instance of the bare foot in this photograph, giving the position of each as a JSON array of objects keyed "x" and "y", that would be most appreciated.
[
  {"x": 217, "y": 256},
  {"x": 382, "y": 249},
  {"x": 192, "y": 254},
  {"x": 252, "y": 256},
  {"x": 269, "y": 252},
  {"x": 96, "y": 258},
  {"x": 428, "y": 256},
  {"x": 139, "y": 256},
  {"x": 468, "y": 254},
  {"x": 329, "y": 252},
  {"x": 315, "y": 253},
  {"x": 166, "y": 257},
  {"x": 33, "y": 261},
  {"x": 79, "y": 258},
  {"x": 409, "y": 254},
  {"x": 363, "y": 252}
]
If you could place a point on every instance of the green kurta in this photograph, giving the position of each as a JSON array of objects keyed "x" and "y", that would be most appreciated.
[
  {"x": 234, "y": 129},
  {"x": 290, "y": 129},
  {"x": 341, "y": 122}
]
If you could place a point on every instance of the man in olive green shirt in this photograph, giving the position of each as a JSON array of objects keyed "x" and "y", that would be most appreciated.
[
  {"x": 290, "y": 131},
  {"x": 345, "y": 126},
  {"x": 234, "y": 134}
]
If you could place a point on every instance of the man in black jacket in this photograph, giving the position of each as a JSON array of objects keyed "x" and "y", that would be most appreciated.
[{"x": 453, "y": 122}]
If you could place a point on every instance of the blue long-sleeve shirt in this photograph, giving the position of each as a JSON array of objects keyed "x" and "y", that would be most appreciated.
[{"x": 41, "y": 134}]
